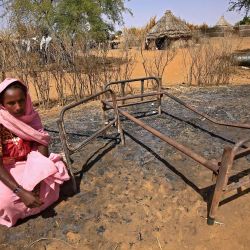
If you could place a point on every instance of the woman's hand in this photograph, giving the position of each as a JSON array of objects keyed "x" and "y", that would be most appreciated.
[
  {"x": 29, "y": 199},
  {"x": 36, "y": 190}
]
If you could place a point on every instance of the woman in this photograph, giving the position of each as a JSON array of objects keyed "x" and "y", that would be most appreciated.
[{"x": 29, "y": 176}]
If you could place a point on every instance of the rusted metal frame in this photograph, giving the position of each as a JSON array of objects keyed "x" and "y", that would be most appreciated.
[
  {"x": 68, "y": 150},
  {"x": 133, "y": 80},
  {"x": 70, "y": 106},
  {"x": 239, "y": 144},
  {"x": 92, "y": 137},
  {"x": 238, "y": 125},
  {"x": 142, "y": 95},
  {"x": 228, "y": 157},
  {"x": 129, "y": 104},
  {"x": 201, "y": 114},
  {"x": 221, "y": 185},
  {"x": 222, "y": 123},
  {"x": 130, "y": 97},
  {"x": 67, "y": 153},
  {"x": 123, "y": 91},
  {"x": 105, "y": 102},
  {"x": 161, "y": 93},
  {"x": 209, "y": 164},
  {"x": 159, "y": 97},
  {"x": 142, "y": 89},
  {"x": 242, "y": 152},
  {"x": 239, "y": 154},
  {"x": 82, "y": 101},
  {"x": 226, "y": 164},
  {"x": 244, "y": 181}
]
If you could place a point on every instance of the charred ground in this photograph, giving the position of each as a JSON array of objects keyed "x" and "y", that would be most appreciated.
[{"x": 145, "y": 195}]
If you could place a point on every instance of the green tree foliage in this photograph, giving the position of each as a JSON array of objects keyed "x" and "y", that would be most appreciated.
[
  {"x": 89, "y": 15},
  {"x": 244, "y": 21},
  {"x": 96, "y": 17},
  {"x": 240, "y": 5}
]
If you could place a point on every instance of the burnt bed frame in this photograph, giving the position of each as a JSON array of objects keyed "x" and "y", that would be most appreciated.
[{"x": 110, "y": 100}]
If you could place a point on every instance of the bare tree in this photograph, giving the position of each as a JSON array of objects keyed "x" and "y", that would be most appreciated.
[
  {"x": 209, "y": 63},
  {"x": 157, "y": 64},
  {"x": 41, "y": 83},
  {"x": 240, "y": 5}
]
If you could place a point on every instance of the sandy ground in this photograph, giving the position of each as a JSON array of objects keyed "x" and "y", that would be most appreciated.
[
  {"x": 176, "y": 71},
  {"x": 144, "y": 195}
]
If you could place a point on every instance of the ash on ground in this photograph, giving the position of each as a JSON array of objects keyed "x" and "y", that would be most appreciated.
[{"x": 145, "y": 195}]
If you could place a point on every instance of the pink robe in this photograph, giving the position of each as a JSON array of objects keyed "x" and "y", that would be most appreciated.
[{"x": 50, "y": 172}]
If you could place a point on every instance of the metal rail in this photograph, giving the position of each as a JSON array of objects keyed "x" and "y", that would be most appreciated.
[
  {"x": 220, "y": 169},
  {"x": 123, "y": 97},
  {"x": 211, "y": 119},
  {"x": 67, "y": 148},
  {"x": 209, "y": 164},
  {"x": 221, "y": 186}
]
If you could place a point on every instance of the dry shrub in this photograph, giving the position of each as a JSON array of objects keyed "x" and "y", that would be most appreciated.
[
  {"x": 136, "y": 37},
  {"x": 41, "y": 84},
  {"x": 156, "y": 64},
  {"x": 75, "y": 67},
  {"x": 127, "y": 65},
  {"x": 209, "y": 63},
  {"x": 132, "y": 38},
  {"x": 9, "y": 55}
]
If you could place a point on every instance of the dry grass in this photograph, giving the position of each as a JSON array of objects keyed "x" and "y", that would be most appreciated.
[{"x": 77, "y": 74}]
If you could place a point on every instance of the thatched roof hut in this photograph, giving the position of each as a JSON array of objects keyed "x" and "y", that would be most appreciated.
[
  {"x": 221, "y": 29},
  {"x": 169, "y": 28},
  {"x": 223, "y": 22}
]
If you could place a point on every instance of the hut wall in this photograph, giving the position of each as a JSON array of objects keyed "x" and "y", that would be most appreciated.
[
  {"x": 244, "y": 30},
  {"x": 180, "y": 43},
  {"x": 169, "y": 43},
  {"x": 220, "y": 31}
]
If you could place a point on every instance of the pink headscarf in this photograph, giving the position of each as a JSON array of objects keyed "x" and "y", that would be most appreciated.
[{"x": 28, "y": 126}]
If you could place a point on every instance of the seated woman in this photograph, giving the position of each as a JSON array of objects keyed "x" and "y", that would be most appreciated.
[{"x": 29, "y": 176}]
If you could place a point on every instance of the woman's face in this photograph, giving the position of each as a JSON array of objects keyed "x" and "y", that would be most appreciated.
[{"x": 14, "y": 100}]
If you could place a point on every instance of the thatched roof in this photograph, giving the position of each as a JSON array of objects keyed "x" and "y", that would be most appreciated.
[
  {"x": 169, "y": 26},
  {"x": 223, "y": 22}
]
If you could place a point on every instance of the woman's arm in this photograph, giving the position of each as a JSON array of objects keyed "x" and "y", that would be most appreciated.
[
  {"x": 6, "y": 177},
  {"x": 28, "y": 198}
]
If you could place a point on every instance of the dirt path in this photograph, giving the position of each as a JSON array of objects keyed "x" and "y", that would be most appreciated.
[{"x": 145, "y": 195}]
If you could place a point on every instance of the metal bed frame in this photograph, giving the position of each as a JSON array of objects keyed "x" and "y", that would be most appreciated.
[{"x": 220, "y": 169}]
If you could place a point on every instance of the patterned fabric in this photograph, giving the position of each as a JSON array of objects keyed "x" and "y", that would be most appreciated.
[{"x": 13, "y": 148}]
